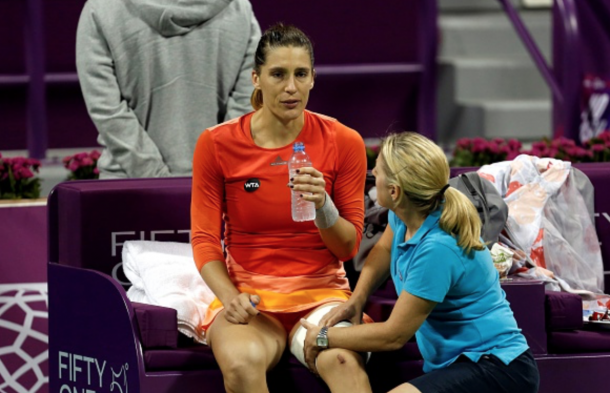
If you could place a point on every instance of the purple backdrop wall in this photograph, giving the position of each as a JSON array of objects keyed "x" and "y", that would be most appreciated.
[
  {"x": 345, "y": 33},
  {"x": 23, "y": 299},
  {"x": 68, "y": 122}
]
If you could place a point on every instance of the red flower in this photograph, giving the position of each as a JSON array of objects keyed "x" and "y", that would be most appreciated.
[
  {"x": 514, "y": 144},
  {"x": 494, "y": 148},
  {"x": 539, "y": 145},
  {"x": 82, "y": 165},
  {"x": 479, "y": 145},
  {"x": 604, "y": 136},
  {"x": 25, "y": 173},
  {"x": 463, "y": 143},
  {"x": 598, "y": 148},
  {"x": 73, "y": 166}
]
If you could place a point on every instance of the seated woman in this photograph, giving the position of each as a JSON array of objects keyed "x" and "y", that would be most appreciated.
[
  {"x": 449, "y": 291},
  {"x": 277, "y": 271}
]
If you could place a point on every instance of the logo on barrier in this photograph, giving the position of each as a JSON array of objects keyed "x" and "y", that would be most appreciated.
[
  {"x": 24, "y": 333},
  {"x": 117, "y": 239},
  {"x": 81, "y": 373},
  {"x": 121, "y": 383}
]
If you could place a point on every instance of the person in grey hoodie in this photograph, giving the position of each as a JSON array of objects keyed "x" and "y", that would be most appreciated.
[{"x": 156, "y": 73}]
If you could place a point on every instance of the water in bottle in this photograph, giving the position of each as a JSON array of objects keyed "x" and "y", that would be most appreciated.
[{"x": 302, "y": 210}]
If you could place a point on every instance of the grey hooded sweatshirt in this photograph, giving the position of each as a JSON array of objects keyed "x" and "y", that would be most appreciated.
[{"x": 156, "y": 73}]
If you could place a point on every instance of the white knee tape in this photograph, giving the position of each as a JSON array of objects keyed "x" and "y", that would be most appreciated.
[{"x": 298, "y": 340}]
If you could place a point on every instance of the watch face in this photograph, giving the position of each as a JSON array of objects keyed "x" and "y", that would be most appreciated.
[{"x": 322, "y": 342}]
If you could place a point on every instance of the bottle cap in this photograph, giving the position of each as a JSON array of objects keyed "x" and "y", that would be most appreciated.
[{"x": 298, "y": 146}]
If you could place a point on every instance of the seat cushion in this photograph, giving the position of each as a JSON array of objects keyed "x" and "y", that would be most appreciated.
[
  {"x": 563, "y": 311},
  {"x": 191, "y": 356},
  {"x": 197, "y": 357},
  {"x": 409, "y": 352},
  {"x": 579, "y": 341},
  {"x": 379, "y": 308},
  {"x": 158, "y": 326}
]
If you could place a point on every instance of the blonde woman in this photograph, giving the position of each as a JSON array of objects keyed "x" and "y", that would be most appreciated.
[{"x": 449, "y": 294}]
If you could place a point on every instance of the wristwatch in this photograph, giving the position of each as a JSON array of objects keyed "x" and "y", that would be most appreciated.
[{"x": 322, "y": 339}]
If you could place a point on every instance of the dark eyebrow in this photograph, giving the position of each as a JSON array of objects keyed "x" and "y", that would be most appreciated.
[{"x": 277, "y": 69}]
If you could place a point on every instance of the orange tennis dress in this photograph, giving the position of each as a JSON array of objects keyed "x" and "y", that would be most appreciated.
[{"x": 286, "y": 263}]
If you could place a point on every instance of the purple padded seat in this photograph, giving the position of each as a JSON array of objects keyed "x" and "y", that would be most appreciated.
[
  {"x": 563, "y": 311},
  {"x": 166, "y": 350},
  {"x": 566, "y": 333},
  {"x": 526, "y": 298},
  {"x": 579, "y": 341},
  {"x": 379, "y": 308},
  {"x": 99, "y": 216},
  {"x": 194, "y": 357},
  {"x": 191, "y": 356},
  {"x": 158, "y": 326}
]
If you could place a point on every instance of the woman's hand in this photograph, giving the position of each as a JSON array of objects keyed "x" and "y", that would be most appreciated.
[
  {"x": 310, "y": 180},
  {"x": 310, "y": 347},
  {"x": 348, "y": 311},
  {"x": 242, "y": 308}
]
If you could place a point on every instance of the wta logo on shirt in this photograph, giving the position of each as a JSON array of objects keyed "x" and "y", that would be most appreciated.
[
  {"x": 279, "y": 161},
  {"x": 252, "y": 185}
]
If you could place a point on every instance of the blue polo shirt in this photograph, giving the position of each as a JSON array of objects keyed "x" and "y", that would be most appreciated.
[{"x": 472, "y": 316}]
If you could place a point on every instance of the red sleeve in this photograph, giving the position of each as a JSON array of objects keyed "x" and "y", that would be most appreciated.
[
  {"x": 206, "y": 202},
  {"x": 348, "y": 190}
]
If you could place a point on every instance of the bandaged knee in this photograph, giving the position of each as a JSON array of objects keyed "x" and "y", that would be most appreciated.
[{"x": 298, "y": 340}]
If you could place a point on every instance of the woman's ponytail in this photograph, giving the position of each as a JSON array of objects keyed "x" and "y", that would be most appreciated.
[
  {"x": 256, "y": 99},
  {"x": 461, "y": 219}
]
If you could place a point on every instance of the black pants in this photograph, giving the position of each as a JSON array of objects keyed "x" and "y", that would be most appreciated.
[{"x": 489, "y": 374}]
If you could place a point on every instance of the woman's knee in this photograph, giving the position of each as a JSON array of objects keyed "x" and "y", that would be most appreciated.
[
  {"x": 235, "y": 356},
  {"x": 338, "y": 360},
  {"x": 242, "y": 363}
]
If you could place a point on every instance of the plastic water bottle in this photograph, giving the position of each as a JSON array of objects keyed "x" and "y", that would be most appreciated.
[{"x": 302, "y": 210}]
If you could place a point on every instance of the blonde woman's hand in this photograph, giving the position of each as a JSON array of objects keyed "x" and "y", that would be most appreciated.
[
  {"x": 348, "y": 311},
  {"x": 310, "y": 347}
]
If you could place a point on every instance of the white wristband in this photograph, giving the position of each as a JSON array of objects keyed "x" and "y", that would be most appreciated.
[{"x": 327, "y": 215}]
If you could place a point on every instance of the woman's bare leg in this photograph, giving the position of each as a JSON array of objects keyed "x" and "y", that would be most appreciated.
[
  {"x": 342, "y": 370},
  {"x": 405, "y": 388},
  {"x": 246, "y": 352}
]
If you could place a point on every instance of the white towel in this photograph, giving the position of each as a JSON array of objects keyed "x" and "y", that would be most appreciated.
[{"x": 164, "y": 274}]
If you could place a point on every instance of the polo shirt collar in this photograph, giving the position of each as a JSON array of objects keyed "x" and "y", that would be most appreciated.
[{"x": 430, "y": 222}]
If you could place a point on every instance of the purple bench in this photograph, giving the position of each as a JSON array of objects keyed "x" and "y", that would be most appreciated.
[
  {"x": 99, "y": 339},
  {"x": 92, "y": 322}
]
